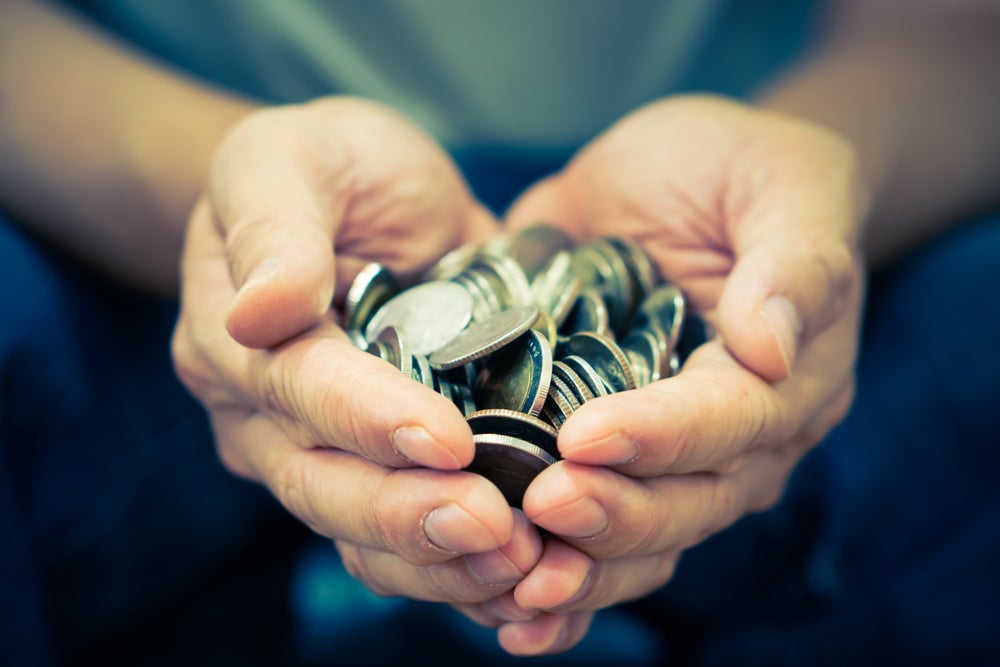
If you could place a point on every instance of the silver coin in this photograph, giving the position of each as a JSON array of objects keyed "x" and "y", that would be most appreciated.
[
  {"x": 546, "y": 326},
  {"x": 463, "y": 398},
  {"x": 516, "y": 376},
  {"x": 556, "y": 287},
  {"x": 510, "y": 463},
  {"x": 395, "y": 347},
  {"x": 427, "y": 316},
  {"x": 489, "y": 288},
  {"x": 445, "y": 388},
  {"x": 482, "y": 338},
  {"x": 604, "y": 355},
  {"x": 573, "y": 381},
  {"x": 371, "y": 288},
  {"x": 380, "y": 350},
  {"x": 552, "y": 415},
  {"x": 583, "y": 368},
  {"x": 482, "y": 303},
  {"x": 357, "y": 338},
  {"x": 589, "y": 313},
  {"x": 508, "y": 274},
  {"x": 621, "y": 287},
  {"x": 639, "y": 264},
  {"x": 566, "y": 396},
  {"x": 640, "y": 368},
  {"x": 532, "y": 247},
  {"x": 498, "y": 244},
  {"x": 645, "y": 343},
  {"x": 422, "y": 372},
  {"x": 453, "y": 263},
  {"x": 665, "y": 308},
  {"x": 675, "y": 364},
  {"x": 515, "y": 424}
]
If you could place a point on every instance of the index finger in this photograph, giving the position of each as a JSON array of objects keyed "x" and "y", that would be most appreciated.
[
  {"x": 324, "y": 391},
  {"x": 712, "y": 411}
]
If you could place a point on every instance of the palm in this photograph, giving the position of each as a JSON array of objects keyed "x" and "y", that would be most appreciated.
[{"x": 757, "y": 218}]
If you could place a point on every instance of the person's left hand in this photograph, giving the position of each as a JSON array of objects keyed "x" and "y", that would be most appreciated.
[{"x": 756, "y": 217}]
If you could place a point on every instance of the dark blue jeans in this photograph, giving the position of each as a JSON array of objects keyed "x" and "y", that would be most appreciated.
[{"x": 885, "y": 549}]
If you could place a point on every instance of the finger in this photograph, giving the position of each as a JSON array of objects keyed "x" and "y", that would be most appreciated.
[
  {"x": 496, "y": 611},
  {"x": 330, "y": 393},
  {"x": 205, "y": 357},
  {"x": 566, "y": 580},
  {"x": 325, "y": 391},
  {"x": 797, "y": 261},
  {"x": 608, "y": 515},
  {"x": 271, "y": 195},
  {"x": 426, "y": 516},
  {"x": 545, "y": 635},
  {"x": 714, "y": 410},
  {"x": 471, "y": 579}
]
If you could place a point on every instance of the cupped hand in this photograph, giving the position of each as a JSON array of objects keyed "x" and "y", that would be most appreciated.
[
  {"x": 300, "y": 198},
  {"x": 757, "y": 218}
]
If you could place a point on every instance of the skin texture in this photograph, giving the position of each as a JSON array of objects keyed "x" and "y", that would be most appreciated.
[
  {"x": 757, "y": 217},
  {"x": 260, "y": 272},
  {"x": 764, "y": 214},
  {"x": 771, "y": 256}
]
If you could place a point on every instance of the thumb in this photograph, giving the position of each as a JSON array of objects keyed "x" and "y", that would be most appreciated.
[
  {"x": 265, "y": 191},
  {"x": 782, "y": 291}
]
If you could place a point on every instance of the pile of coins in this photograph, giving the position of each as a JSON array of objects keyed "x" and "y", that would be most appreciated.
[{"x": 521, "y": 331}]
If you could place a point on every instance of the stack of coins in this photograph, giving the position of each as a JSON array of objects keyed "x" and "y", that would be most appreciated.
[{"x": 521, "y": 331}]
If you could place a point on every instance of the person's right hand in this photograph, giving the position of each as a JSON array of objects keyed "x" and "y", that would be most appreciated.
[{"x": 300, "y": 198}]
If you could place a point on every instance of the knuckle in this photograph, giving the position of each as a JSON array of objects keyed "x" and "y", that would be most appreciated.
[
  {"x": 356, "y": 565},
  {"x": 644, "y": 531},
  {"x": 230, "y": 456},
  {"x": 190, "y": 366},
  {"x": 722, "y": 507},
  {"x": 391, "y": 522},
  {"x": 448, "y": 582},
  {"x": 350, "y": 556},
  {"x": 839, "y": 263},
  {"x": 276, "y": 385},
  {"x": 833, "y": 412},
  {"x": 769, "y": 500},
  {"x": 665, "y": 567},
  {"x": 291, "y": 489}
]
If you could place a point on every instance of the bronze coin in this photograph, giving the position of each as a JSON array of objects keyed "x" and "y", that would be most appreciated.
[{"x": 509, "y": 462}]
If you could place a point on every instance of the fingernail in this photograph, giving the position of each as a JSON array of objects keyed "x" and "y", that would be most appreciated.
[
  {"x": 453, "y": 529},
  {"x": 613, "y": 449},
  {"x": 584, "y": 517},
  {"x": 784, "y": 323},
  {"x": 416, "y": 445},
  {"x": 493, "y": 568}
]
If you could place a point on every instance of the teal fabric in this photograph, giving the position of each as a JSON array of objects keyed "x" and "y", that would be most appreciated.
[{"x": 521, "y": 73}]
